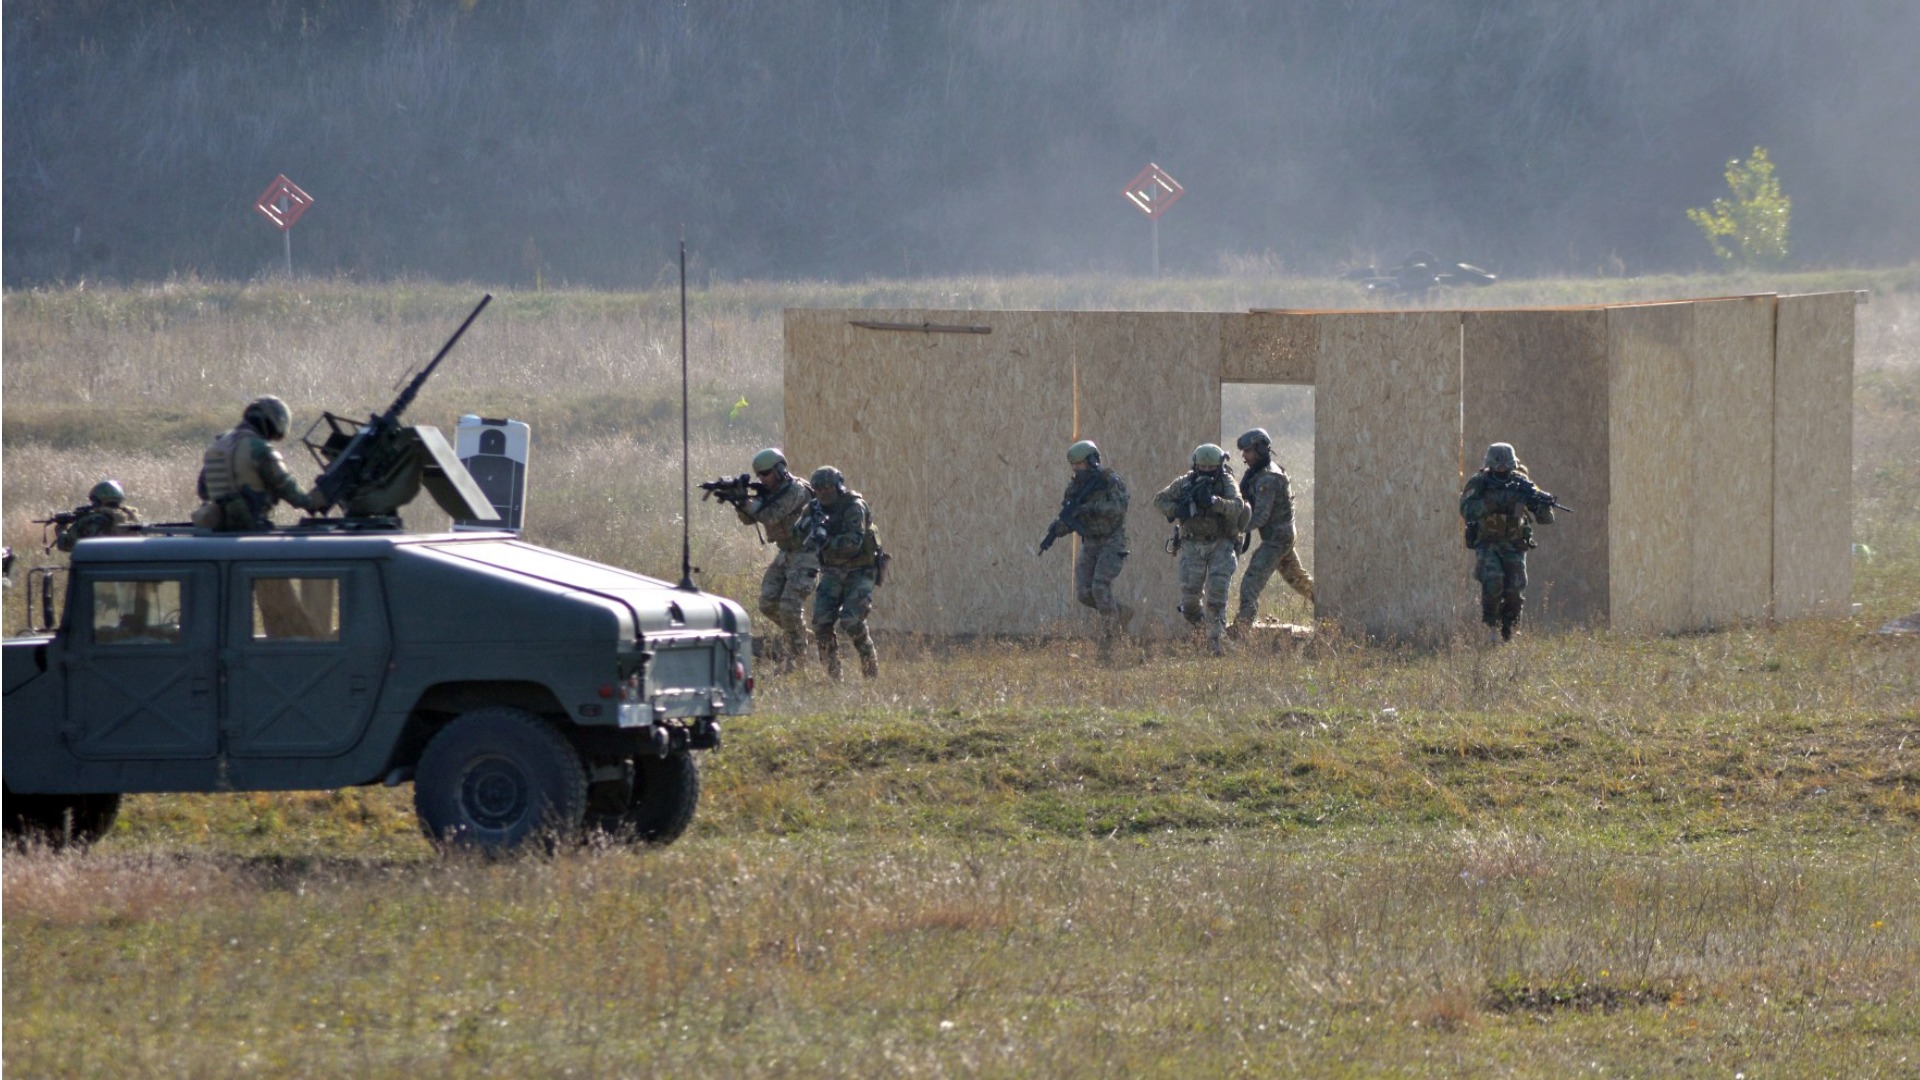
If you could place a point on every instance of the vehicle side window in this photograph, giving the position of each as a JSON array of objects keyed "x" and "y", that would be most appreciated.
[
  {"x": 137, "y": 612},
  {"x": 296, "y": 609}
]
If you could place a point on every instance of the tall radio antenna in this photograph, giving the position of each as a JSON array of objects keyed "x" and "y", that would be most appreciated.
[{"x": 686, "y": 480}]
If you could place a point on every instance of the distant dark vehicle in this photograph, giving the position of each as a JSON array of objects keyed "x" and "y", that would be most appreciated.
[
  {"x": 528, "y": 695},
  {"x": 1419, "y": 273}
]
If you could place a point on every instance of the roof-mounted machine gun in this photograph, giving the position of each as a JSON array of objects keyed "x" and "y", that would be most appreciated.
[{"x": 371, "y": 470}]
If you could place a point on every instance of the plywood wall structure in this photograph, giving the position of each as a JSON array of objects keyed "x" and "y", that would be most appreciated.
[
  {"x": 1386, "y": 457},
  {"x": 959, "y": 439},
  {"x": 1538, "y": 380},
  {"x": 1813, "y": 455},
  {"x": 1730, "y": 528},
  {"x": 1706, "y": 452},
  {"x": 1148, "y": 393}
]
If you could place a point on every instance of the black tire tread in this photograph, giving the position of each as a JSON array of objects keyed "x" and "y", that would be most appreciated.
[
  {"x": 452, "y": 745},
  {"x": 667, "y": 792}
]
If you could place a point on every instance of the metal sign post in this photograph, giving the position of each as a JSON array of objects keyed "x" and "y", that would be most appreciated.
[
  {"x": 282, "y": 204},
  {"x": 1154, "y": 192}
]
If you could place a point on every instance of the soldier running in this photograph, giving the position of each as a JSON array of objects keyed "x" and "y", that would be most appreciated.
[
  {"x": 1210, "y": 515},
  {"x": 1095, "y": 507},
  {"x": 1268, "y": 492},
  {"x": 849, "y": 571},
  {"x": 1500, "y": 505}
]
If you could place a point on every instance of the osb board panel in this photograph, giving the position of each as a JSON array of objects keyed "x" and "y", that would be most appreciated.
[
  {"x": 1813, "y": 455},
  {"x": 1268, "y": 347},
  {"x": 998, "y": 421},
  {"x": 1149, "y": 392},
  {"x": 1731, "y": 529},
  {"x": 1650, "y": 454},
  {"x": 855, "y": 400},
  {"x": 1387, "y": 451},
  {"x": 1538, "y": 379},
  {"x": 959, "y": 442}
]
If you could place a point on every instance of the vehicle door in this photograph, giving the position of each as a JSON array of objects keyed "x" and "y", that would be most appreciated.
[
  {"x": 138, "y": 651},
  {"x": 306, "y": 649}
]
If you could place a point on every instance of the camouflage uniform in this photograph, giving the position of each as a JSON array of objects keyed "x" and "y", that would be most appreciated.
[
  {"x": 241, "y": 478},
  {"x": 847, "y": 572},
  {"x": 1500, "y": 509},
  {"x": 795, "y": 570},
  {"x": 1268, "y": 491},
  {"x": 1099, "y": 497},
  {"x": 1208, "y": 542},
  {"x": 99, "y": 520}
]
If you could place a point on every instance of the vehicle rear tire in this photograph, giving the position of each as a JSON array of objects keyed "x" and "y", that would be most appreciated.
[
  {"x": 495, "y": 778},
  {"x": 58, "y": 821},
  {"x": 665, "y": 793}
]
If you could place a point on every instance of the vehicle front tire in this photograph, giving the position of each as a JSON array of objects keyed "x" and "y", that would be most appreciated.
[
  {"x": 665, "y": 793},
  {"x": 495, "y": 778},
  {"x": 58, "y": 821}
]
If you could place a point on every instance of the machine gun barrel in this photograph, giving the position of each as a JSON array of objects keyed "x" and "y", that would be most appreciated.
[{"x": 343, "y": 473}]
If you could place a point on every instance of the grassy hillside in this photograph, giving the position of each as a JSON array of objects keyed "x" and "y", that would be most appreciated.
[{"x": 1600, "y": 853}]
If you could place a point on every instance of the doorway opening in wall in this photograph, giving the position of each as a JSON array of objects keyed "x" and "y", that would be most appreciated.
[{"x": 1286, "y": 412}]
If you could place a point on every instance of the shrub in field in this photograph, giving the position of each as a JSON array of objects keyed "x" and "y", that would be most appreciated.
[{"x": 1754, "y": 220}]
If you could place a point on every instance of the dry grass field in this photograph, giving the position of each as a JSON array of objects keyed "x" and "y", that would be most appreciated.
[{"x": 1588, "y": 854}]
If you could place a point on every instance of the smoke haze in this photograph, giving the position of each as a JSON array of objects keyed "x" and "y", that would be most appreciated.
[{"x": 571, "y": 142}]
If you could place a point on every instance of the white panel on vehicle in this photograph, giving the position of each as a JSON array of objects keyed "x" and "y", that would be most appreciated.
[{"x": 495, "y": 454}]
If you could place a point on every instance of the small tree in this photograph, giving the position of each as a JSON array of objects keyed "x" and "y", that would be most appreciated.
[{"x": 1755, "y": 219}]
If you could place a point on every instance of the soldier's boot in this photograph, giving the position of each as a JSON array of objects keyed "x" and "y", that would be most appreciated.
[
  {"x": 829, "y": 653},
  {"x": 1191, "y": 613},
  {"x": 1216, "y": 647},
  {"x": 1241, "y": 626},
  {"x": 1305, "y": 589},
  {"x": 1510, "y": 615},
  {"x": 869, "y": 661},
  {"x": 772, "y": 650},
  {"x": 798, "y": 644}
]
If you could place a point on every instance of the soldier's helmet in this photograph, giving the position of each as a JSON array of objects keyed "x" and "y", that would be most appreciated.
[
  {"x": 269, "y": 416},
  {"x": 1208, "y": 456},
  {"x": 769, "y": 459},
  {"x": 826, "y": 476},
  {"x": 108, "y": 493},
  {"x": 1084, "y": 450},
  {"x": 1500, "y": 457},
  {"x": 1258, "y": 437}
]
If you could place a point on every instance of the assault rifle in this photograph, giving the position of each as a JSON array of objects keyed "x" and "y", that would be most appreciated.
[
  {"x": 733, "y": 490},
  {"x": 373, "y": 469},
  {"x": 1184, "y": 510},
  {"x": 812, "y": 525},
  {"x": 1530, "y": 492},
  {"x": 55, "y": 524},
  {"x": 1070, "y": 507}
]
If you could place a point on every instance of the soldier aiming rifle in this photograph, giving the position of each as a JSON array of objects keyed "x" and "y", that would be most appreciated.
[
  {"x": 105, "y": 514},
  {"x": 783, "y": 505}
]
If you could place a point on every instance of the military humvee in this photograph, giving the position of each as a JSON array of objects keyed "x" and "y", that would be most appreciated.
[{"x": 527, "y": 694}]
